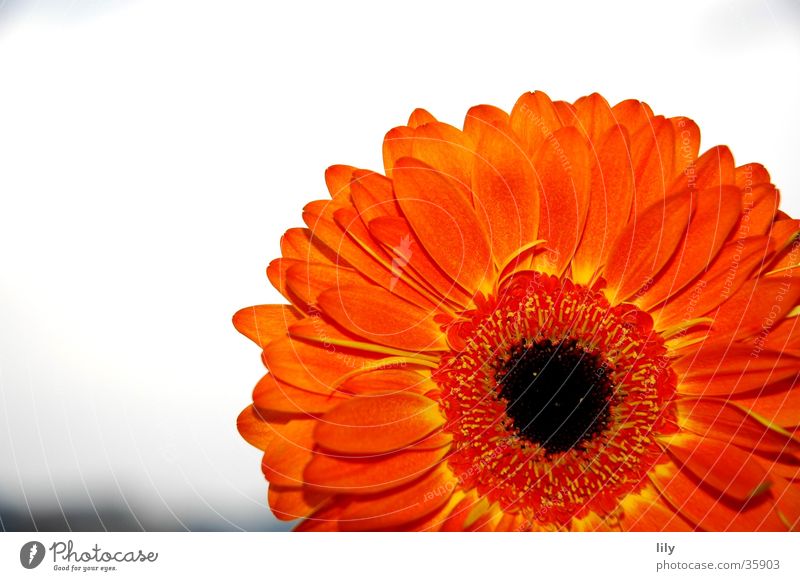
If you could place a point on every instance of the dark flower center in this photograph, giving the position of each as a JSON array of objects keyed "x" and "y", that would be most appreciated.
[{"x": 558, "y": 395}]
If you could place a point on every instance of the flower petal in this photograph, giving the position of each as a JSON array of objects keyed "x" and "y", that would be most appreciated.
[
  {"x": 307, "y": 280},
  {"x": 263, "y": 323},
  {"x": 645, "y": 511},
  {"x": 534, "y": 120},
  {"x": 397, "y": 143},
  {"x": 719, "y": 369},
  {"x": 320, "y": 218},
  {"x": 396, "y": 234},
  {"x": 653, "y": 150},
  {"x": 380, "y": 316},
  {"x": 757, "y": 305},
  {"x": 289, "y": 452},
  {"x": 715, "y": 168},
  {"x": 765, "y": 200},
  {"x": 562, "y": 165},
  {"x": 594, "y": 117},
  {"x": 708, "y": 509},
  {"x": 275, "y": 396},
  {"x": 504, "y": 184},
  {"x": 609, "y": 204},
  {"x": 484, "y": 117},
  {"x": 717, "y": 212},
  {"x": 314, "y": 367},
  {"x": 299, "y": 243},
  {"x": 732, "y": 424},
  {"x": 446, "y": 149},
  {"x": 395, "y": 509},
  {"x": 378, "y": 424},
  {"x": 387, "y": 381},
  {"x": 419, "y": 117},
  {"x": 373, "y": 195},
  {"x": 778, "y": 403},
  {"x": 444, "y": 222},
  {"x": 289, "y": 503},
  {"x": 632, "y": 114},
  {"x": 720, "y": 465},
  {"x": 645, "y": 245},
  {"x": 724, "y": 276},
  {"x": 787, "y": 501},
  {"x": 254, "y": 429},
  {"x": 337, "y": 178},
  {"x": 355, "y": 475}
]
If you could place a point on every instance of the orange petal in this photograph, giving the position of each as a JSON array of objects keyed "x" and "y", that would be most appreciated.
[
  {"x": 653, "y": 150},
  {"x": 632, "y": 114},
  {"x": 594, "y": 117},
  {"x": 356, "y": 475},
  {"x": 276, "y": 273},
  {"x": 708, "y": 509},
  {"x": 396, "y": 234},
  {"x": 785, "y": 336},
  {"x": 386, "y": 381},
  {"x": 716, "y": 214},
  {"x": 646, "y": 244},
  {"x": 609, "y": 203},
  {"x": 380, "y": 316},
  {"x": 687, "y": 146},
  {"x": 715, "y": 168},
  {"x": 787, "y": 500},
  {"x": 254, "y": 428},
  {"x": 757, "y": 305},
  {"x": 751, "y": 175},
  {"x": 420, "y": 117},
  {"x": 337, "y": 178},
  {"x": 484, "y": 117},
  {"x": 720, "y": 369},
  {"x": 308, "y": 280},
  {"x": 273, "y": 395},
  {"x": 504, "y": 184},
  {"x": 317, "y": 329},
  {"x": 263, "y": 323},
  {"x": 396, "y": 509},
  {"x": 378, "y": 424},
  {"x": 566, "y": 113},
  {"x": 534, "y": 119},
  {"x": 731, "y": 268},
  {"x": 298, "y": 243},
  {"x": 645, "y": 511},
  {"x": 373, "y": 195},
  {"x": 319, "y": 217},
  {"x": 289, "y": 503},
  {"x": 324, "y": 519},
  {"x": 446, "y": 149},
  {"x": 397, "y": 143},
  {"x": 314, "y": 367},
  {"x": 444, "y": 222},
  {"x": 562, "y": 165},
  {"x": 729, "y": 423},
  {"x": 435, "y": 520},
  {"x": 778, "y": 403},
  {"x": 765, "y": 201},
  {"x": 289, "y": 452},
  {"x": 720, "y": 465}
]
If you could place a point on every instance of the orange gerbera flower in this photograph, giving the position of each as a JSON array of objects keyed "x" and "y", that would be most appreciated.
[{"x": 557, "y": 319}]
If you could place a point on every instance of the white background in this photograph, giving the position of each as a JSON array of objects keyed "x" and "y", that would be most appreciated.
[{"x": 152, "y": 152}]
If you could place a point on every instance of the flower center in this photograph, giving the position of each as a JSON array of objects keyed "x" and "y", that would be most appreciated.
[
  {"x": 554, "y": 398},
  {"x": 557, "y": 395}
]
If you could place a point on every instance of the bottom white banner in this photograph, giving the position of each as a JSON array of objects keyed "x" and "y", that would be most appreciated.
[{"x": 372, "y": 556}]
